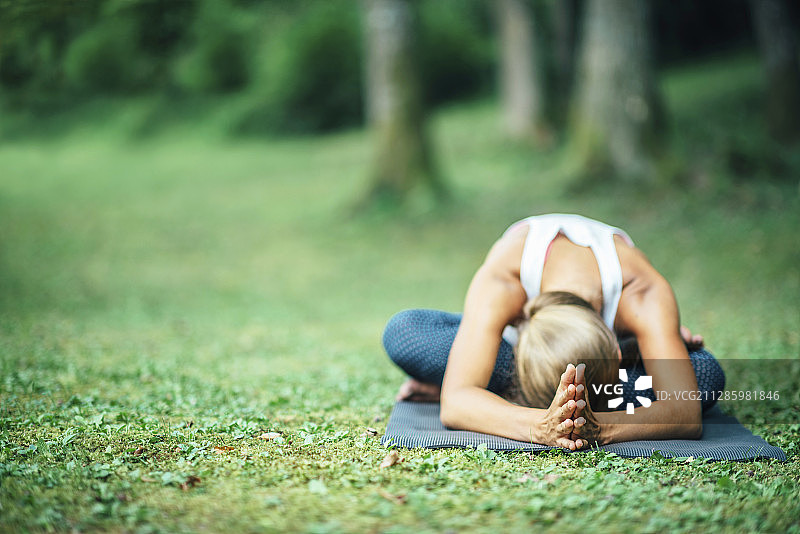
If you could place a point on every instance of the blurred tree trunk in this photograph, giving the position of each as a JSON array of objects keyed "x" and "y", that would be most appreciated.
[
  {"x": 394, "y": 103},
  {"x": 778, "y": 44},
  {"x": 521, "y": 86},
  {"x": 562, "y": 20},
  {"x": 618, "y": 116}
]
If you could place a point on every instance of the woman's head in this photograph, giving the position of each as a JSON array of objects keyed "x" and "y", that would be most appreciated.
[{"x": 561, "y": 328}]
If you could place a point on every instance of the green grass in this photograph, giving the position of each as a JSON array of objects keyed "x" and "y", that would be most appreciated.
[{"x": 166, "y": 301}]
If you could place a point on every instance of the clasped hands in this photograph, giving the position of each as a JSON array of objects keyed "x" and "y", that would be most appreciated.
[{"x": 569, "y": 421}]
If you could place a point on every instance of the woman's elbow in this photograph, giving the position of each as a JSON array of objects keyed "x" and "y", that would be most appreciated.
[
  {"x": 447, "y": 415},
  {"x": 691, "y": 429},
  {"x": 448, "y": 410},
  {"x": 695, "y": 430},
  {"x": 691, "y": 425},
  {"x": 446, "y": 418}
]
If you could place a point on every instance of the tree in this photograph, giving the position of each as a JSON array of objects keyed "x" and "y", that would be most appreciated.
[
  {"x": 618, "y": 115},
  {"x": 778, "y": 44},
  {"x": 562, "y": 21},
  {"x": 395, "y": 109},
  {"x": 521, "y": 87}
]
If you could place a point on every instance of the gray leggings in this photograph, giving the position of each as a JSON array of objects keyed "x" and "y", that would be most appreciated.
[{"x": 419, "y": 342}]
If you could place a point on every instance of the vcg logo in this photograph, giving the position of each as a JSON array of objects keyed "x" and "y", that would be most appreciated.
[{"x": 642, "y": 383}]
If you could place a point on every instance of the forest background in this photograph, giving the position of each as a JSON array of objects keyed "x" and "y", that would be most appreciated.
[{"x": 210, "y": 208}]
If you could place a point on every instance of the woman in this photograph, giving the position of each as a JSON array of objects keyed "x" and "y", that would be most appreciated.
[{"x": 541, "y": 320}]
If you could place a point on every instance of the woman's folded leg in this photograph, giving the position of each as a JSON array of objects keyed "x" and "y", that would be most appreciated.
[
  {"x": 707, "y": 370},
  {"x": 419, "y": 341}
]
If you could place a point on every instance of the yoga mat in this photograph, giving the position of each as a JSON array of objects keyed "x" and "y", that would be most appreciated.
[{"x": 417, "y": 425}]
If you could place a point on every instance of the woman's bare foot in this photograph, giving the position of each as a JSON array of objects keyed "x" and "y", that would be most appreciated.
[{"x": 416, "y": 391}]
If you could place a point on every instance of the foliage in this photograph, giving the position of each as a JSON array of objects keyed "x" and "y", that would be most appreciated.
[
  {"x": 98, "y": 47},
  {"x": 455, "y": 49},
  {"x": 105, "y": 58},
  {"x": 287, "y": 67},
  {"x": 30, "y": 61},
  {"x": 34, "y": 36},
  {"x": 685, "y": 29},
  {"x": 218, "y": 55},
  {"x": 311, "y": 78}
]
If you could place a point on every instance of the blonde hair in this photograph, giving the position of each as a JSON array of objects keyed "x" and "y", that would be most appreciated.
[{"x": 561, "y": 328}]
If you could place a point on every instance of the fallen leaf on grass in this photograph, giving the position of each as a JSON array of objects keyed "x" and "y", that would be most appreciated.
[
  {"x": 144, "y": 478},
  {"x": 286, "y": 418},
  {"x": 370, "y": 432},
  {"x": 222, "y": 449},
  {"x": 528, "y": 477},
  {"x": 191, "y": 481},
  {"x": 269, "y": 436},
  {"x": 317, "y": 487},
  {"x": 391, "y": 459},
  {"x": 397, "y": 499}
]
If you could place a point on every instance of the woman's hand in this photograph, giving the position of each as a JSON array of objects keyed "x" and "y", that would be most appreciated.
[
  {"x": 586, "y": 427},
  {"x": 558, "y": 424},
  {"x": 692, "y": 341}
]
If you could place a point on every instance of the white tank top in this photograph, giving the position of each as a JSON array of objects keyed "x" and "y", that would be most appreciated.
[{"x": 543, "y": 229}]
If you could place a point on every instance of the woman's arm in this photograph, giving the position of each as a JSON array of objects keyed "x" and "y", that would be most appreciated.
[
  {"x": 494, "y": 298},
  {"x": 650, "y": 312}
]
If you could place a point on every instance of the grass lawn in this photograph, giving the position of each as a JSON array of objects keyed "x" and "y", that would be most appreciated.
[{"x": 166, "y": 302}]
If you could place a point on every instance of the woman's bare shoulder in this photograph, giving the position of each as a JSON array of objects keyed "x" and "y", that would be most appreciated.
[
  {"x": 506, "y": 252},
  {"x": 637, "y": 271},
  {"x": 645, "y": 291},
  {"x": 496, "y": 293}
]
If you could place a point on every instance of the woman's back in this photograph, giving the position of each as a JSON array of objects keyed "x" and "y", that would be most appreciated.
[{"x": 599, "y": 273}]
